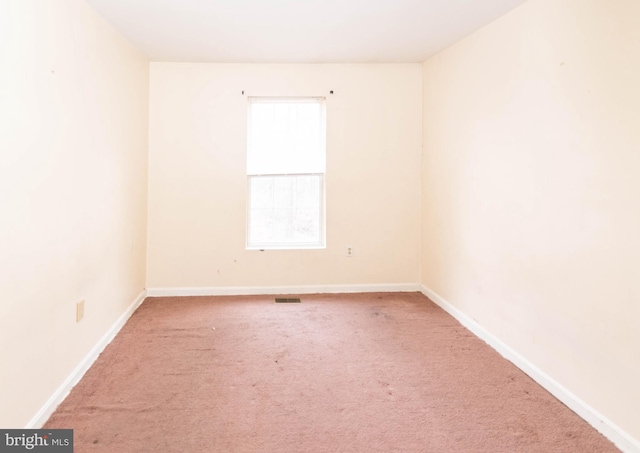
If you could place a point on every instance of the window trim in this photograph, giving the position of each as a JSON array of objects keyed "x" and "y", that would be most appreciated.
[{"x": 322, "y": 244}]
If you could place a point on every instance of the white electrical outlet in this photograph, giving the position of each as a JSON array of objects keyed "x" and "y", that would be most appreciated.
[
  {"x": 79, "y": 311},
  {"x": 349, "y": 250}
]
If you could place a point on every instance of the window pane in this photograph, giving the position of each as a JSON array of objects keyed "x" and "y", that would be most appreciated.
[
  {"x": 285, "y": 210},
  {"x": 286, "y": 137},
  {"x": 262, "y": 193}
]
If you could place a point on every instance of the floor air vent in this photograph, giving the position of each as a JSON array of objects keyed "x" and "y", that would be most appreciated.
[{"x": 285, "y": 300}]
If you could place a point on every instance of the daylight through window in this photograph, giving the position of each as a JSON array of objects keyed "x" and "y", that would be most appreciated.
[{"x": 285, "y": 173}]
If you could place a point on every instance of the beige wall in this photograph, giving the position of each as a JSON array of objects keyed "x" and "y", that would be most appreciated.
[
  {"x": 531, "y": 216},
  {"x": 197, "y": 180},
  {"x": 73, "y": 128}
]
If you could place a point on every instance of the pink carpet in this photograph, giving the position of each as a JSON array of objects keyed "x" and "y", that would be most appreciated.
[{"x": 335, "y": 373}]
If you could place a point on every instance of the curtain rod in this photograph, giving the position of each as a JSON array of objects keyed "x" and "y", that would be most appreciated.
[{"x": 330, "y": 92}]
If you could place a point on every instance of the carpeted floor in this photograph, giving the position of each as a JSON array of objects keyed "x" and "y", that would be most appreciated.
[{"x": 336, "y": 373}]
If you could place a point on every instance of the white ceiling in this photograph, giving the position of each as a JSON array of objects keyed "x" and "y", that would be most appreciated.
[{"x": 297, "y": 31}]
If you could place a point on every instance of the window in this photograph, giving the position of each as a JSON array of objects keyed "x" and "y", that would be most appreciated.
[{"x": 285, "y": 173}]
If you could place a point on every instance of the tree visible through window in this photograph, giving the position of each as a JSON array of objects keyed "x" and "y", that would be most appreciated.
[{"x": 285, "y": 172}]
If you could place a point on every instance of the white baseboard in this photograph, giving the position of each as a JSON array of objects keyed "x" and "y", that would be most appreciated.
[
  {"x": 61, "y": 393},
  {"x": 260, "y": 290},
  {"x": 610, "y": 430}
]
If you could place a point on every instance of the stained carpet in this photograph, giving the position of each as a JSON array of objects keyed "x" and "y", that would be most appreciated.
[{"x": 335, "y": 373}]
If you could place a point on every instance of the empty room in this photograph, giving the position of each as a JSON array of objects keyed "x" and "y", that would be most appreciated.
[{"x": 320, "y": 226}]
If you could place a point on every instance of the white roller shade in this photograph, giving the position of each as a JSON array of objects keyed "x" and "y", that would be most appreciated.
[{"x": 286, "y": 136}]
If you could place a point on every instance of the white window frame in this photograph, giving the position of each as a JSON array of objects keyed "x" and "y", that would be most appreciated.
[{"x": 321, "y": 243}]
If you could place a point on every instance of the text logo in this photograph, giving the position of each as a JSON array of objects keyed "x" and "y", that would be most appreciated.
[{"x": 36, "y": 440}]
